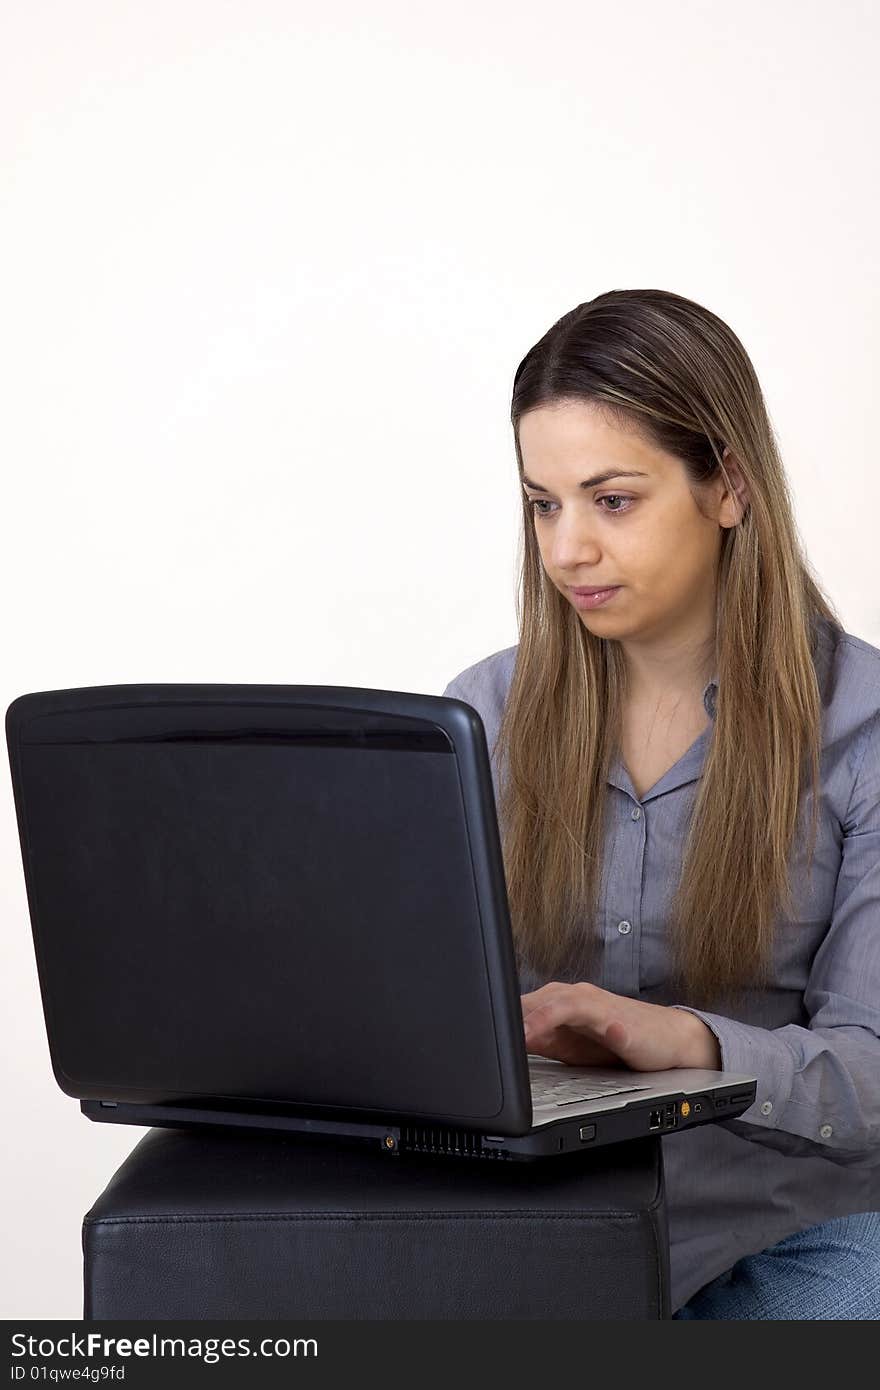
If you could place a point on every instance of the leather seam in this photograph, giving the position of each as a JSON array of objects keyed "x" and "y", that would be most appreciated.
[{"x": 174, "y": 1219}]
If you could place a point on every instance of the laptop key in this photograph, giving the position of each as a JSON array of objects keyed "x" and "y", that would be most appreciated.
[
  {"x": 579, "y": 1086},
  {"x": 569, "y": 1092},
  {"x": 600, "y": 1095}
]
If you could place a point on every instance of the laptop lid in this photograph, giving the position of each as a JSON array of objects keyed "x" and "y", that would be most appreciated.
[{"x": 268, "y": 897}]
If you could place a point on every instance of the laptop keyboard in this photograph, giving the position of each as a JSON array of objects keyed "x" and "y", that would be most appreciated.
[{"x": 569, "y": 1092}]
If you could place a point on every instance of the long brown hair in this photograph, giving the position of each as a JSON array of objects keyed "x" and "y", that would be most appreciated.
[{"x": 664, "y": 365}]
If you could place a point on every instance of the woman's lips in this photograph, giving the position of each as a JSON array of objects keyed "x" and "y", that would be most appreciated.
[{"x": 593, "y": 600}]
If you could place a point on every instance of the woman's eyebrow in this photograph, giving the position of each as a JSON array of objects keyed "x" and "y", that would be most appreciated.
[{"x": 595, "y": 481}]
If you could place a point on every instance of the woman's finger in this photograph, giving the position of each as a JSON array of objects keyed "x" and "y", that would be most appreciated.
[
  {"x": 575, "y": 1049},
  {"x": 572, "y": 1006},
  {"x": 535, "y": 997}
]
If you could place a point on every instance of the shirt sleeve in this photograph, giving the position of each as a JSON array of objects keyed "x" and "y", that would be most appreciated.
[{"x": 819, "y": 1086}]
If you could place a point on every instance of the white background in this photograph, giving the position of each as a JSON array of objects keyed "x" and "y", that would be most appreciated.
[{"x": 266, "y": 275}]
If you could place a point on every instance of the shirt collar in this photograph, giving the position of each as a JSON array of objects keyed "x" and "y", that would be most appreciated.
[
  {"x": 709, "y": 696},
  {"x": 824, "y": 651}
]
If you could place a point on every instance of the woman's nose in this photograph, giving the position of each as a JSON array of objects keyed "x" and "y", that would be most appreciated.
[{"x": 574, "y": 544}]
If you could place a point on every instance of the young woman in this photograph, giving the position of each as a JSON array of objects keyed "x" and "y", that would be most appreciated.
[{"x": 687, "y": 777}]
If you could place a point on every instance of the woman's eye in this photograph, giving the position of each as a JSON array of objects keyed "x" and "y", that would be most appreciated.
[{"x": 536, "y": 503}]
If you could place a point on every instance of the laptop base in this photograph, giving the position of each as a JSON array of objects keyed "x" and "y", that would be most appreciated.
[{"x": 567, "y": 1134}]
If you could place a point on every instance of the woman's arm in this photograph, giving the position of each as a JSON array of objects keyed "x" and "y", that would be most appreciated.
[{"x": 821, "y": 1083}]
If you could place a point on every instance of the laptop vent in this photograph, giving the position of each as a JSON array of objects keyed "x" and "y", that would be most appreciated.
[{"x": 461, "y": 1142}]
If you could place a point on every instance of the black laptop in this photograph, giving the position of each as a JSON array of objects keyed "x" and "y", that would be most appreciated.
[{"x": 283, "y": 907}]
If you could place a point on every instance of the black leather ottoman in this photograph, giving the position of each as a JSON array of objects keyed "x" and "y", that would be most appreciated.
[{"x": 226, "y": 1224}]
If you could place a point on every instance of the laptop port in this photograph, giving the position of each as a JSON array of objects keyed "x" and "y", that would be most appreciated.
[{"x": 655, "y": 1120}]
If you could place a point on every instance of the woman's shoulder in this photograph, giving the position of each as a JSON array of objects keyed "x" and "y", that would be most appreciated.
[
  {"x": 484, "y": 687},
  {"x": 487, "y": 679},
  {"x": 848, "y": 670},
  {"x": 849, "y": 676}
]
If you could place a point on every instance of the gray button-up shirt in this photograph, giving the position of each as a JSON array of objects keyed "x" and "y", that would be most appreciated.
[{"x": 808, "y": 1149}]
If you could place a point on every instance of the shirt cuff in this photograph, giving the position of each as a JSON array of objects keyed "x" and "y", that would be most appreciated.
[{"x": 750, "y": 1051}]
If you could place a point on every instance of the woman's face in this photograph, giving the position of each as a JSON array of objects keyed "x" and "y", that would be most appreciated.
[{"x": 643, "y": 533}]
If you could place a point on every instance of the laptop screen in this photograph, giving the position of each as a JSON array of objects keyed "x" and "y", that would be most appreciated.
[{"x": 261, "y": 893}]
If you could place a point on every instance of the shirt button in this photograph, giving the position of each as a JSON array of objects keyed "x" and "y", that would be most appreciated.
[
  {"x": 826, "y": 1131},
  {"x": 766, "y": 1107},
  {"x": 624, "y": 927},
  {"x": 636, "y": 812}
]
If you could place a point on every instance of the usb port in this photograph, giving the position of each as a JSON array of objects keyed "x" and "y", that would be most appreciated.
[{"x": 655, "y": 1120}]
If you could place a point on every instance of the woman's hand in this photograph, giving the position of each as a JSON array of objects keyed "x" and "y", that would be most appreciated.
[{"x": 587, "y": 1026}]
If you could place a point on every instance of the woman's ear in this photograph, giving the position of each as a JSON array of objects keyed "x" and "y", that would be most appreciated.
[{"x": 733, "y": 508}]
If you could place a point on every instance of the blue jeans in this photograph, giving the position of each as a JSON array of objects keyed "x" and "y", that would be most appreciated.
[{"x": 827, "y": 1271}]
